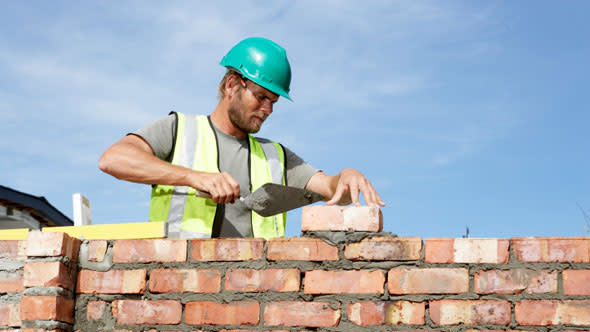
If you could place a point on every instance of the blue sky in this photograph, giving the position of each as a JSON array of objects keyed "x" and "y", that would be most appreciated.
[{"x": 460, "y": 112}]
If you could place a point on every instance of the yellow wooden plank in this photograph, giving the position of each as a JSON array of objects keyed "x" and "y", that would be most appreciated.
[
  {"x": 140, "y": 230},
  {"x": 14, "y": 234}
]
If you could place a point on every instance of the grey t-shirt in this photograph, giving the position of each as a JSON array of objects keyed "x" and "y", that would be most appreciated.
[{"x": 231, "y": 220}]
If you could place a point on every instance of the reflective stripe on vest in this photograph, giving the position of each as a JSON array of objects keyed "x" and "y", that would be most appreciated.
[
  {"x": 189, "y": 216},
  {"x": 266, "y": 165}
]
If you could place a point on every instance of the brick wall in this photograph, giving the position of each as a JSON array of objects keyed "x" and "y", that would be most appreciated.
[
  {"x": 341, "y": 275},
  {"x": 37, "y": 279}
]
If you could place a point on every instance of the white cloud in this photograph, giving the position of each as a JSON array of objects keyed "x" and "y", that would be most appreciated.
[
  {"x": 126, "y": 113},
  {"x": 442, "y": 160},
  {"x": 49, "y": 69},
  {"x": 399, "y": 84},
  {"x": 85, "y": 94},
  {"x": 198, "y": 27},
  {"x": 7, "y": 111},
  {"x": 472, "y": 136}
]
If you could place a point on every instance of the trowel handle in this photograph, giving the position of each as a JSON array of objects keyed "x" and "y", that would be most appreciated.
[
  {"x": 198, "y": 193},
  {"x": 203, "y": 194}
]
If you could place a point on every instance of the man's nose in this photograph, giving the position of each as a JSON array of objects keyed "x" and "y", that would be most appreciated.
[{"x": 266, "y": 107}]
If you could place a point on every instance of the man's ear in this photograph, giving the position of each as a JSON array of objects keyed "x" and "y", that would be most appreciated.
[{"x": 232, "y": 85}]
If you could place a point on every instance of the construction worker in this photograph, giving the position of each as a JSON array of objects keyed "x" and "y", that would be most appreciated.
[{"x": 182, "y": 153}]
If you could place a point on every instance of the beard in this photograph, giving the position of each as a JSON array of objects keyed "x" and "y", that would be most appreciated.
[{"x": 237, "y": 116}]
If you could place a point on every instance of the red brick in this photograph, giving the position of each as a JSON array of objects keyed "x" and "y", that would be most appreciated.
[
  {"x": 336, "y": 282},
  {"x": 12, "y": 249},
  {"x": 211, "y": 313},
  {"x": 11, "y": 281},
  {"x": 47, "y": 308},
  {"x": 227, "y": 249},
  {"x": 52, "y": 244},
  {"x": 95, "y": 310},
  {"x": 277, "y": 280},
  {"x": 405, "y": 312},
  {"x": 47, "y": 274},
  {"x": 97, "y": 249},
  {"x": 10, "y": 314},
  {"x": 185, "y": 280},
  {"x": 265, "y": 331},
  {"x": 552, "y": 312},
  {"x": 428, "y": 281},
  {"x": 576, "y": 282},
  {"x": 112, "y": 282},
  {"x": 494, "y": 251},
  {"x": 468, "y": 330},
  {"x": 294, "y": 313},
  {"x": 470, "y": 312},
  {"x": 336, "y": 218},
  {"x": 533, "y": 312},
  {"x": 552, "y": 249},
  {"x": 301, "y": 249},
  {"x": 147, "y": 312},
  {"x": 439, "y": 250},
  {"x": 366, "y": 313},
  {"x": 385, "y": 249},
  {"x": 515, "y": 281},
  {"x": 396, "y": 312},
  {"x": 147, "y": 251}
]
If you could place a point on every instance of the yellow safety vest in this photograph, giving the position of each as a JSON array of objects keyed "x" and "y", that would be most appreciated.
[{"x": 189, "y": 216}]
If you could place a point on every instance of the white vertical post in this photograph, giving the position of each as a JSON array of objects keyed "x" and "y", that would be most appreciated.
[{"x": 82, "y": 214}]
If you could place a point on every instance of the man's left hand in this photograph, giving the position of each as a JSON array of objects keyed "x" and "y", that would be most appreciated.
[{"x": 345, "y": 188}]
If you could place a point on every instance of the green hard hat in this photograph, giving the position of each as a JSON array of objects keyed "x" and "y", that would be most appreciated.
[{"x": 262, "y": 61}]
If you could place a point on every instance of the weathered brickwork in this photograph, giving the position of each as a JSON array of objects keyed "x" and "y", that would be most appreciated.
[
  {"x": 328, "y": 280},
  {"x": 37, "y": 282}
]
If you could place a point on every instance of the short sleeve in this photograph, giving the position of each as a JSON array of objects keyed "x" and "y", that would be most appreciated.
[
  {"x": 298, "y": 171},
  {"x": 160, "y": 135}
]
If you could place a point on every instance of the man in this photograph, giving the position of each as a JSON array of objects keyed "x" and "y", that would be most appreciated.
[{"x": 182, "y": 155}]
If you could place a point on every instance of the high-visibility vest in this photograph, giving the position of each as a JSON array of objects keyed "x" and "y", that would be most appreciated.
[{"x": 189, "y": 216}]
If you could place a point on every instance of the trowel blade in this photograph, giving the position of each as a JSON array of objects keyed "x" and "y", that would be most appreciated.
[{"x": 271, "y": 199}]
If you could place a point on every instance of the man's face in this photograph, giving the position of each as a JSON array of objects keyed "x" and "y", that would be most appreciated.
[{"x": 251, "y": 105}]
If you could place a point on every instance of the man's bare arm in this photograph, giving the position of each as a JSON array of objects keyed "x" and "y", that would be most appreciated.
[
  {"x": 132, "y": 159},
  {"x": 344, "y": 188}
]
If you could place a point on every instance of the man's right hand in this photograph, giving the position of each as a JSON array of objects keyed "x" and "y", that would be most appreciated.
[{"x": 222, "y": 187}]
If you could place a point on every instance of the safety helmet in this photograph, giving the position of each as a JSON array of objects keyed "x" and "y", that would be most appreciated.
[{"x": 262, "y": 61}]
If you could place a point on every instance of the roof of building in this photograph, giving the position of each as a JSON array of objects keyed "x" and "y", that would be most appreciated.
[{"x": 37, "y": 206}]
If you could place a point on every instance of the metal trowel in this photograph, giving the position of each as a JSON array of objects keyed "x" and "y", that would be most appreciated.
[{"x": 271, "y": 199}]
